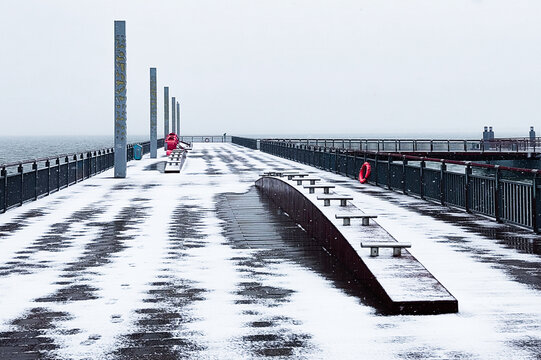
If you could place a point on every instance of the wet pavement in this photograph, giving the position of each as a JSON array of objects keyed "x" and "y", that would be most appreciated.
[{"x": 200, "y": 265}]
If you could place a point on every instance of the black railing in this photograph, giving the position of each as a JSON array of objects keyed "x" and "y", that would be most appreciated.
[
  {"x": 510, "y": 195},
  {"x": 28, "y": 180},
  {"x": 207, "y": 138},
  {"x": 423, "y": 145},
  {"x": 247, "y": 142}
]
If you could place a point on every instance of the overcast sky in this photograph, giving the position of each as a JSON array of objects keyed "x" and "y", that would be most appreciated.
[{"x": 378, "y": 67}]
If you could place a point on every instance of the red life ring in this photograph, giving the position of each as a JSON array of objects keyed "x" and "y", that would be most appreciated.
[{"x": 364, "y": 173}]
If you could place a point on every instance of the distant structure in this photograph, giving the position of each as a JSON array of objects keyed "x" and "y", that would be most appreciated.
[
  {"x": 178, "y": 119},
  {"x": 173, "y": 114},
  {"x": 532, "y": 136},
  {"x": 153, "y": 114},
  {"x": 165, "y": 115}
]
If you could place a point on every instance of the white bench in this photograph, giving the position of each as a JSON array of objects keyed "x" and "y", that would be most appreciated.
[
  {"x": 327, "y": 199},
  {"x": 374, "y": 247},
  {"x": 347, "y": 218},
  {"x": 299, "y": 180},
  {"x": 312, "y": 188},
  {"x": 289, "y": 174},
  {"x": 174, "y": 161}
]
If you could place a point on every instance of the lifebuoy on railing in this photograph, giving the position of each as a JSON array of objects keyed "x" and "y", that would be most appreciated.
[
  {"x": 207, "y": 139},
  {"x": 364, "y": 173}
]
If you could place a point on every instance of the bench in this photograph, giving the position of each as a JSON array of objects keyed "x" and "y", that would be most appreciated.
[
  {"x": 327, "y": 199},
  {"x": 374, "y": 247},
  {"x": 289, "y": 174},
  {"x": 299, "y": 180},
  {"x": 347, "y": 218},
  {"x": 312, "y": 188}
]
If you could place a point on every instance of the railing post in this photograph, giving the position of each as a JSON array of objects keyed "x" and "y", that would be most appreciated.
[
  {"x": 443, "y": 183},
  {"x": 82, "y": 166},
  {"x": 35, "y": 168},
  {"x": 67, "y": 171},
  {"x": 76, "y": 168},
  {"x": 335, "y": 160},
  {"x": 497, "y": 196},
  {"x": 376, "y": 168},
  {"x": 422, "y": 165},
  {"x": 467, "y": 197},
  {"x": 5, "y": 185},
  {"x": 404, "y": 163},
  {"x": 48, "y": 164},
  {"x": 465, "y": 146},
  {"x": 58, "y": 174},
  {"x": 354, "y": 163},
  {"x": 20, "y": 171},
  {"x": 536, "y": 203},
  {"x": 389, "y": 172},
  {"x": 89, "y": 158}
]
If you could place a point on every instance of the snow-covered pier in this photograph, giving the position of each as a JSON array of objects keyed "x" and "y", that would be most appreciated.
[{"x": 202, "y": 265}]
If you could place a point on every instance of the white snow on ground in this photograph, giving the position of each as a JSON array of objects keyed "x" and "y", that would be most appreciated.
[{"x": 497, "y": 313}]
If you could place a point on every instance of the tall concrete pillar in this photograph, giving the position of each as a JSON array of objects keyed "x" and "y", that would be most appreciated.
[
  {"x": 165, "y": 114},
  {"x": 153, "y": 115},
  {"x": 121, "y": 116},
  {"x": 532, "y": 136},
  {"x": 173, "y": 117},
  {"x": 178, "y": 118}
]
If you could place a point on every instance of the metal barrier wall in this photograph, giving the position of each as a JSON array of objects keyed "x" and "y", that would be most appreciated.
[
  {"x": 28, "y": 180},
  {"x": 423, "y": 145},
  {"x": 476, "y": 188},
  {"x": 247, "y": 142}
]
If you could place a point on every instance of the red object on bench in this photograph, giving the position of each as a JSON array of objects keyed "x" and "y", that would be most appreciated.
[{"x": 172, "y": 142}]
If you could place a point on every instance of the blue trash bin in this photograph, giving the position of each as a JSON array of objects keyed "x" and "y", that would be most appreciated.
[{"x": 137, "y": 152}]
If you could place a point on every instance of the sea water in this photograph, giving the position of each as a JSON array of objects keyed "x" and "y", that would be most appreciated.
[{"x": 21, "y": 148}]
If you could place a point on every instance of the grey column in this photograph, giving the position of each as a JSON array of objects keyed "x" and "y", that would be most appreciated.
[
  {"x": 178, "y": 118},
  {"x": 120, "y": 100},
  {"x": 173, "y": 117},
  {"x": 153, "y": 115},
  {"x": 165, "y": 114}
]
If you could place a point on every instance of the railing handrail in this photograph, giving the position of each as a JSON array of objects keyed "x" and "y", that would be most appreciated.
[
  {"x": 395, "y": 139},
  {"x": 514, "y": 201},
  {"x": 422, "y": 158},
  {"x": 31, "y": 161}
]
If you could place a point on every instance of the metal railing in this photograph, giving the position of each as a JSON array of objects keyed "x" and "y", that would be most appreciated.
[
  {"x": 207, "y": 138},
  {"x": 423, "y": 145},
  {"x": 247, "y": 142},
  {"x": 29, "y": 180},
  {"x": 490, "y": 190}
]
